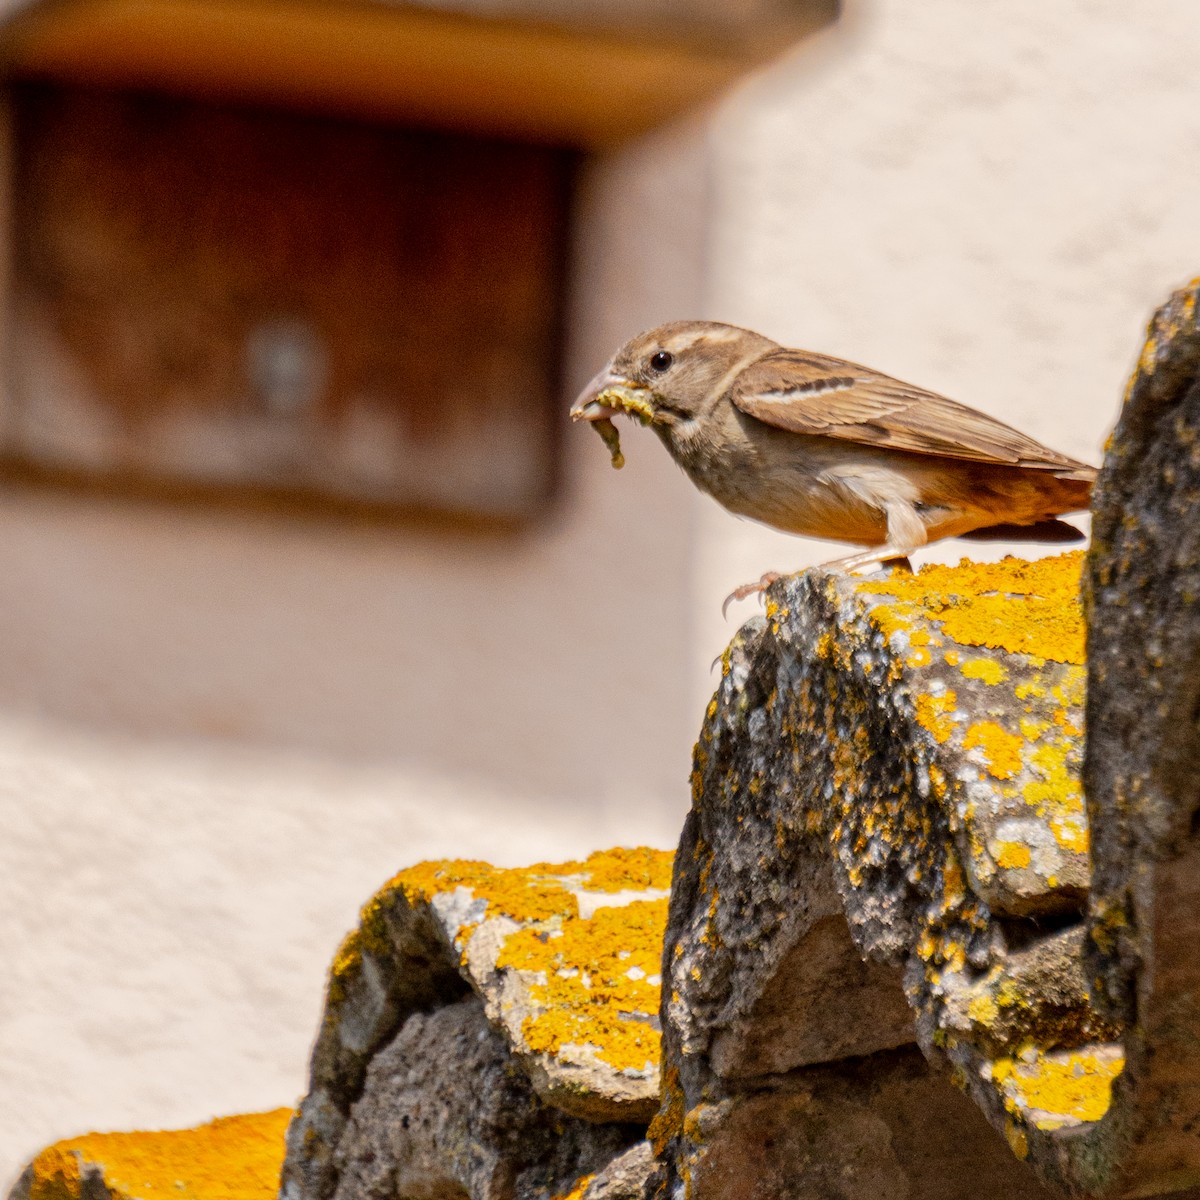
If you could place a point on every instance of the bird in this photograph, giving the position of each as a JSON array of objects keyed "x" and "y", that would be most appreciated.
[{"x": 817, "y": 446}]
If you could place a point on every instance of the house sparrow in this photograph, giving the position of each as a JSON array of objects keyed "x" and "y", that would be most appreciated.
[{"x": 816, "y": 446}]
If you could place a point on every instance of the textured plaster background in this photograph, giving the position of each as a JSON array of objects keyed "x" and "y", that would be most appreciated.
[{"x": 219, "y": 733}]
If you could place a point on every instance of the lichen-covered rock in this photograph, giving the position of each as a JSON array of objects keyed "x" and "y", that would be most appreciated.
[
  {"x": 563, "y": 960},
  {"x": 233, "y": 1158},
  {"x": 447, "y": 1110},
  {"x": 888, "y": 843},
  {"x": 1143, "y": 587},
  {"x": 1037, "y": 995}
]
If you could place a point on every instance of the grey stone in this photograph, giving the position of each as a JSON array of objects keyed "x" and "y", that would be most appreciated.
[
  {"x": 447, "y": 1112},
  {"x": 1143, "y": 593},
  {"x": 625, "y": 1177}
]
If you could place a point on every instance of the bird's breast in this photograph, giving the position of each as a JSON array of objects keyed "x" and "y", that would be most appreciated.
[{"x": 801, "y": 485}]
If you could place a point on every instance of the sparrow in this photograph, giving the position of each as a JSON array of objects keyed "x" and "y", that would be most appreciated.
[{"x": 824, "y": 448}]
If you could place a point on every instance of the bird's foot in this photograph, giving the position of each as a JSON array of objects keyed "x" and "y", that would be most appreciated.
[
  {"x": 750, "y": 589},
  {"x": 855, "y": 562}
]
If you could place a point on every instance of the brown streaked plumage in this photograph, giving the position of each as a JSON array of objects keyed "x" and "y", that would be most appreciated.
[{"x": 829, "y": 449}]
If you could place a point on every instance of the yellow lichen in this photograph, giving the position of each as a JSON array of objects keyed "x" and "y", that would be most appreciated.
[
  {"x": 1012, "y": 856},
  {"x": 1057, "y": 795},
  {"x": 601, "y": 985},
  {"x": 1001, "y": 749},
  {"x": 1050, "y": 1090},
  {"x": 668, "y": 1121},
  {"x": 983, "y": 1010},
  {"x": 1023, "y": 607},
  {"x": 986, "y": 669},
  {"x": 594, "y": 982},
  {"x": 232, "y": 1158},
  {"x": 576, "y": 1192},
  {"x": 935, "y": 713},
  {"x": 1109, "y": 917}
]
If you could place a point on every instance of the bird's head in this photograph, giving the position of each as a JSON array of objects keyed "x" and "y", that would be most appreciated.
[{"x": 671, "y": 376}]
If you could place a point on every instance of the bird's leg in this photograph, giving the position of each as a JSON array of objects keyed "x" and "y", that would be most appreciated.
[
  {"x": 906, "y": 532},
  {"x": 868, "y": 558}
]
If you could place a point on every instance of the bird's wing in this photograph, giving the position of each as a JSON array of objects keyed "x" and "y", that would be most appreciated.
[{"x": 826, "y": 397}]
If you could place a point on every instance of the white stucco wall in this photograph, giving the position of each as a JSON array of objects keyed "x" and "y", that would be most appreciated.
[{"x": 218, "y": 733}]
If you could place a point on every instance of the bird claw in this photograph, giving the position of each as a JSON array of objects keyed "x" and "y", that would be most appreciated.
[
  {"x": 848, "y": 566},
  {"x": 750, "y": 589}
]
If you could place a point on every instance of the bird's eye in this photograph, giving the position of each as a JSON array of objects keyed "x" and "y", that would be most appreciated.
[{"x": 662, "y": 360}]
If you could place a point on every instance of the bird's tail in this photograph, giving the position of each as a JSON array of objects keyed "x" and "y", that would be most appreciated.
[{"x": 1052, "y": 530}]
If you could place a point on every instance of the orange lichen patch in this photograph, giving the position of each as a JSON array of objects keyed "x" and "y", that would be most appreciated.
[
  {"x": 954, "y": 887},
  {"x": 232, "y": 1158},
  {"x": 920, "y": 642},
  {"x": 1168, "y": 324},
  {"x": 1057, "y": 794},
  {"x": 1052, "y": 1090},
  {"x": 668, "y": 1121},
  {"x": 628, "y": 870},
  {"x": 1023, "y": 607},
  {"x": 597, "y": 984},
  {"x": 986, "y": 669},
  {"x": 576, "y": 1193},
  {"x": 545, "y": 889},
  {"x": 525, "y": 894},
  {"x": 1001, "y": 749},
  {"x": 893, "y": 618},
  {"x": 983, "y": 1009},
  {"x": 1072, "y": 690},
  {"x": 1017, "y": 1139},
  {"x": 1013, "y": 856},
  {"x": 346, "y": 962},
  {"x": 935, "y": 713}
]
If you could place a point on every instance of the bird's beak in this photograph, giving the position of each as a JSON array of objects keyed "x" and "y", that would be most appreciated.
[{"x": 608, "y": 394}]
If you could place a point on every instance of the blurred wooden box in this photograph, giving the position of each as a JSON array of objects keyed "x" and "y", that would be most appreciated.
[
  {"x": 204, "y": 295},
  {"x": 319, "y": 248}
]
